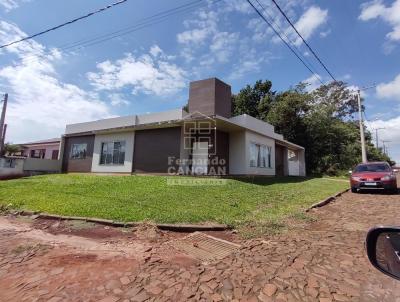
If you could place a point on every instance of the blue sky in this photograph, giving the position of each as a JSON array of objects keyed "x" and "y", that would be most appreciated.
[{"x": 149, "y": 70}]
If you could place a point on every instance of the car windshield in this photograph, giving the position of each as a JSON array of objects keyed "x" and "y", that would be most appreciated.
[{"x": 372, "y": 168}]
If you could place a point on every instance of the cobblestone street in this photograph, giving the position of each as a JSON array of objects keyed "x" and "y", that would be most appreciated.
[{"x": 323, "y": 260}]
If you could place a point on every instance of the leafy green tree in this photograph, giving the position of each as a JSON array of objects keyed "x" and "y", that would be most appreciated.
[
  {"x": 287, "y": 112},
  {"x": 10, "y": 149},
  {"x": 253, "y": 100},
  {"x": 321, "y": 121},
  {"x": 336, "y": 98}
]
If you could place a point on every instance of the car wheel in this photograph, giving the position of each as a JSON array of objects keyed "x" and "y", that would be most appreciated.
[
  {"x": 354, "y": 190},
  {"x": 393, "y": 191}
]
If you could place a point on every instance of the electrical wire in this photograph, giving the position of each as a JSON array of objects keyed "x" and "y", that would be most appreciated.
[
  {"x": 316, "y": 75},
  {"x": 283, "y": 40},
  {"x": 143, "y": 23},
  {"x": 304, "y": 41},
  {"x": 65, "y": 23}
]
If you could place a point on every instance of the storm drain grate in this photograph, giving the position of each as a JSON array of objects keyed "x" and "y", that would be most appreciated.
[{"x": 205, "y": 247}]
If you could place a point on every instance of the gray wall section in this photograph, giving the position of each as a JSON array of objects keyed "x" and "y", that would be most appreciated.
[
  {"x": 78, "y": 165},
  {"x": 219, "y": 159},
  {"x": 218, "y": 151},
  {"x": 153, "y": 147},
  {"x": 210, "y": 97}
]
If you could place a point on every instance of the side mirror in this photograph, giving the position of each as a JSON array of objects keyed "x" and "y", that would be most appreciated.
[{"x": 383, "y": 249}]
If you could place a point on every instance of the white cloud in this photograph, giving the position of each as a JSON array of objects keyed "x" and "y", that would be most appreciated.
[
  {"x": 355, "y": 88},
  {"x": 390, "y": 133},
  {"x": 312, "y": 19},
  {"x": 118, "y": 99},
  {"x": 40, "y": 104},
  {"x": 390, "y": 14},
  {"x": 372, "y": 10},
  {"x": 223, "y": 44},
  {"x": 155, "y": 51},
  {"x": 198, "y": 30},
  {"x": 250, "y": 61},
  {"x": 144, "y": 74},
  {"x": 307, "y": 24},
  {"x": 11, "y": 4},
  {"x": 312, "y": 82},
  {"x": 193, "y": 36},
  {"x": 201, "y": 28},
  {"x": 237, "y": 6},
  {"x": 389, "y": 90},
  {"x": 324, "y": 34}
]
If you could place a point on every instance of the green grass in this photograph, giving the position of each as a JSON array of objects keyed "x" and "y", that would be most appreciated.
[{"x": 264, "y": 202}]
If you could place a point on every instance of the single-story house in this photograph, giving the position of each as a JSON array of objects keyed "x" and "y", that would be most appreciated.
[
  {"x": 45, "y": 149},
  {"x": 205, "y": 140}
]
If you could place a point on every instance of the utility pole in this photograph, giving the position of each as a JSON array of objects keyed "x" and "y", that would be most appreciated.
[
  {"x": 385, "y": 148},
  {"x": 2, "y": 120},
  {"x": 376, "y": 136},
  {"x": 3, "y": 138},
  {"x": 363, "y": 149}
]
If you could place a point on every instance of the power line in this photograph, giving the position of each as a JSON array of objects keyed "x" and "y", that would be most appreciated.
[
  {"x": 283, "y": 40},
  {"x": 148, "y": 21},
  {"x": 316, "y": 75},
  {"x": 143, "y": 23},
  {"x": 304, "y": 41},
  {"x": 64, "y": 24}
]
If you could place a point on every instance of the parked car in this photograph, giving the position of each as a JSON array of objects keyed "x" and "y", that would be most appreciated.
[
  {"x": 383, "y": 250},
  {"x": 373, "y": 175}
]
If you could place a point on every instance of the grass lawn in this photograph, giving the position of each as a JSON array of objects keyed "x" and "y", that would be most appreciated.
[{"x": 258, "y": 202}]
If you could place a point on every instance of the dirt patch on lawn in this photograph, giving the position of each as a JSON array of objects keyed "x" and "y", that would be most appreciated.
[
  {"x": 82, "y": 228},
  {"x": 145, "y": 231}
]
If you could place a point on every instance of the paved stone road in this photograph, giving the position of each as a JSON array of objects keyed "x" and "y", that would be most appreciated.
[{"x": 323, "y": 261}]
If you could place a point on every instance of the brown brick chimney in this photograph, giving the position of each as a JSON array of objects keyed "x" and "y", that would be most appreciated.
[{"x": 210, "y": 97}]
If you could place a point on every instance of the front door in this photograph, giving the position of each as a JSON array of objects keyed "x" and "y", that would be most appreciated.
[{"x": 200, "y": 158}]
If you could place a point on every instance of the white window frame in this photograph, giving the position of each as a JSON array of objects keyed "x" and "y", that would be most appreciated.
[
  {"x": 262, "y": 157},
  {"x": 122, "y": 142}
]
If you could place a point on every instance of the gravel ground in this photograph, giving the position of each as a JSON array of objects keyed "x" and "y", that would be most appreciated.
[{"x": 323, "y": 260}]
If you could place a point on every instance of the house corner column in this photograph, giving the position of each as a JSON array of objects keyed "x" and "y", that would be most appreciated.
[
  {"x": 61, "y": 153},
  {"x": 302, "y": 163}
]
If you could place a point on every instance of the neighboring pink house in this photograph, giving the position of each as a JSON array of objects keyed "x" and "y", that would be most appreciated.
[{"x": 48, "y": 149}]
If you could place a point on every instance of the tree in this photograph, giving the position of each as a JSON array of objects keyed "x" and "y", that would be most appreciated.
[
  {"x": 336, "y": 98},
  {"x": 253, "y": 100},
  {"x": 11, "y": 149},
  {"x": 287, "y": 112},
  {"x": 321, "y": 121}
]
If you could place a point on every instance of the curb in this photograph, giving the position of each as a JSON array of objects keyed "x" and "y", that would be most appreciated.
[
  {"x": 161, "y": 226},
  {"x": 326, "y": 200},
  {"x": 192, "y": 227}
]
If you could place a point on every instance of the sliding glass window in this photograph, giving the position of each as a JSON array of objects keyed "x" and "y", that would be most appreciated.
[
  {"x": 260, "y": 156},
  {"x": 112, "y": 153}
]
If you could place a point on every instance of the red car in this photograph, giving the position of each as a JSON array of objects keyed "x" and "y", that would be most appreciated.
[{"x": 373, "y": 175}]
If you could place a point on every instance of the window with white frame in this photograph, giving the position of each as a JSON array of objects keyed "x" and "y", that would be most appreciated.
[
  {"x": 269, "y": 155},
  {"x": 260, "y": 156},
  {"x": 112, "y": 153},
  {"x": 38, "y": 153},
  {"x": 78, "y": 151}
]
